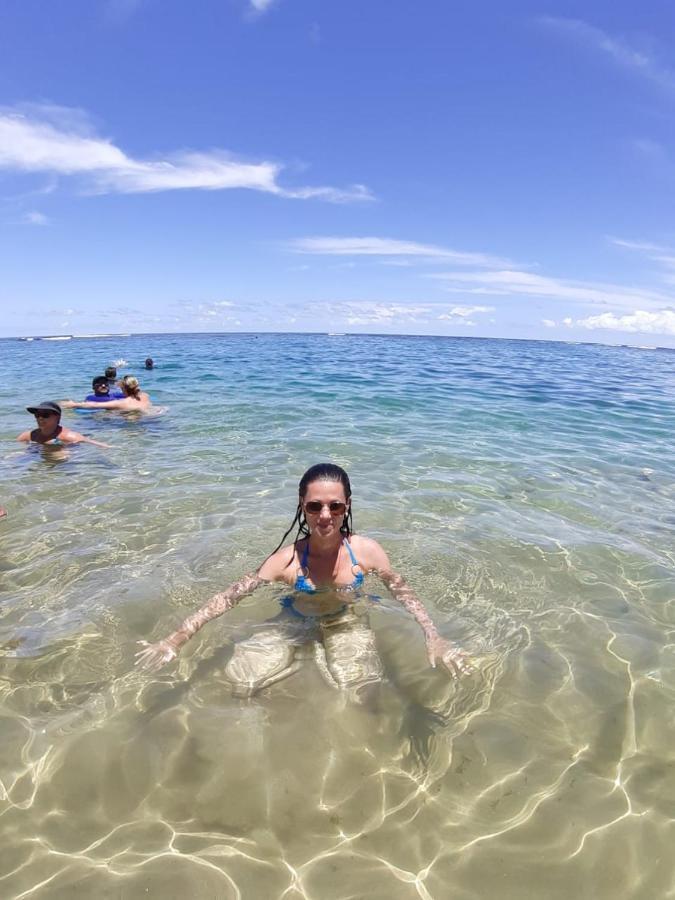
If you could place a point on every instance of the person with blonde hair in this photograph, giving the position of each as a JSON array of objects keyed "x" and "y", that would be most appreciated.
[{"x": 134, "y": 400}]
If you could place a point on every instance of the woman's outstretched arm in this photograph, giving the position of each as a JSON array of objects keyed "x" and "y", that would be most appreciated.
[
  {"x": 94, "y": 404},
  {"x": 152, "y": 656},
  {"x": 439, "y": 649}
]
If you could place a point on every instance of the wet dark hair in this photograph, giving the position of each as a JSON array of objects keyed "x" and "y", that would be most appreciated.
[
  {"x": 111, "y": 372},
  {"x": 319, "y": 472},
  {"x": 149, "y": 363}
]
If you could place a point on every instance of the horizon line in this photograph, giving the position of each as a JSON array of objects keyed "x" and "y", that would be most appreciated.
[{"x": 128, "y": 334}]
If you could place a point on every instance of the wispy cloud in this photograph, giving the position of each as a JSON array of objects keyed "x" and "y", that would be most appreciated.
[
  {"x": 515, "y": 283},
  {"x": 382, "y": 313},
  {"x": 117, "y": 12},
  {"x": 212, "y": 312},
  {"x": 388, "y": 248},
  {"x": 34, "y": 218},
  {"x": 465, "y": 312},
  {"x": 62, "y": 142},
  {"x": 662, "y": 255},
  {"x": 261, "y": 6},
  {"x": 641, "y": 246},
  {"x": 615, "y": 48},
  {"x": 462, "y": 315}
]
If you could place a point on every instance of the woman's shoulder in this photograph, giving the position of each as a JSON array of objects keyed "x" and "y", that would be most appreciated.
[
  {"x": 68, "y": 435},
  {"x": 367, "y": 550},
  {"x": 281, "y": 561},
  {"x": 361, "y": 541}
]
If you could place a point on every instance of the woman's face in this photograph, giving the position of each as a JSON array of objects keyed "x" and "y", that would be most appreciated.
[
  {"x": 325, "y": 506},
  {"x": 47, "y": 421}
]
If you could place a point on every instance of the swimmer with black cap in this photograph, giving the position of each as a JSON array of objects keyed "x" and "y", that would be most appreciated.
[
  {"x": 101, "y": 390},
  {"x": 50, "y": 432}
]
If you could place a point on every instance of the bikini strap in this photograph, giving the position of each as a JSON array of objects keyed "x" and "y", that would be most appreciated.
[
  {"x": 351, "y": 552},
  {"x": 305, "y": 556}
]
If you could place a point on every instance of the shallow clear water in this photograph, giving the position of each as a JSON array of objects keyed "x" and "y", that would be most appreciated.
[{"x": 524, "y": 489}]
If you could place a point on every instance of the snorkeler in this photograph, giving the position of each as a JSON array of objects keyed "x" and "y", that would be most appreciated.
[
  {"x": 114, "y": 386},
  {"x": 149, "y": 363},
  {"x": 49, "y": 430},
  {"x": 324, "y": 567},
  {"x": 133, "y": 399}
]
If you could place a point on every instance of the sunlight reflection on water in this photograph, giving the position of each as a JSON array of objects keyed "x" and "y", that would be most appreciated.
[{"x": 526, "y": 492}]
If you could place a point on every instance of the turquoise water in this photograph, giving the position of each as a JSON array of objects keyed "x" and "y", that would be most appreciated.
[{"x": 526, "y": 492}]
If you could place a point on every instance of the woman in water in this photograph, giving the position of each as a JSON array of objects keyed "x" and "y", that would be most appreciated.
[
  {"x": 134, "y": 399},
  {"x": 50, "y": 431},
  {"x": 324, "y": 567}
]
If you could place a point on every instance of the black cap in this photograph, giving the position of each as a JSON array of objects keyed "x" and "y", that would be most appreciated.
[
  {"x": 99, "y": 380},
  {"x": 45, "y": 406}
]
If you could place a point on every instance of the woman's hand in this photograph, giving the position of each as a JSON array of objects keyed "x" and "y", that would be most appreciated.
[
  {"x": 449, "y": 655},
  {"x": 67, "y": 404},
  {"x": 154, "y": 656}
]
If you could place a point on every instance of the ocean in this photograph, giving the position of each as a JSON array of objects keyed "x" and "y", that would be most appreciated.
[{"x": 524, "y": 489}]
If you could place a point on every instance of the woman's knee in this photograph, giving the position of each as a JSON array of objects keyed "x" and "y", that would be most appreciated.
[{"x": 260, "y": 660}]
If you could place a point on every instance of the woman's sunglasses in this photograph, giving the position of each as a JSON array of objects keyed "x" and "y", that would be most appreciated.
[
  {"x": 336, "y": 507},
  {"x": 44, "y": 415}
]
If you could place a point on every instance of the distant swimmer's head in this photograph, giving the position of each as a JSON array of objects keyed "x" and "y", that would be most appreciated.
[
  {"x": 131, "y": 387},
  {"x": 46, "y": 411},
  {"x": 111, "y": 373},
  {"x": 324, "y": 503},
  {"x": 100, "y": 386},
  {"x": 149, "y": 363}
]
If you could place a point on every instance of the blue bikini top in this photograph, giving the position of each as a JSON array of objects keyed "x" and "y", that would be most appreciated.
[{"x": 306, "y": 587}]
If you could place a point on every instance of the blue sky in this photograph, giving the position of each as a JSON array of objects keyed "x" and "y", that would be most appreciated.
[{"x": 490, "y": 169}]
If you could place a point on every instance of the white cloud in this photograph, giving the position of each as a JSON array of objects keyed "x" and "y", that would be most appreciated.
[
  {"x": 61, "y": 141},
  {"x": 261, "y": 5},
  {"x": 463, "y": 312},
  {"x": 34, "y": 218},
  {"x": 643, "y": 321},
  {"x": 509, "y": 283},
  {"x": 383, "y": 313},
  {"x": 219, "y": 309},
  {"x": 549, "y": 323},
  {"x": 387, "y": 247},
  {"x": 372, "y": 313},
  {"x": 617, "y": 49}
]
